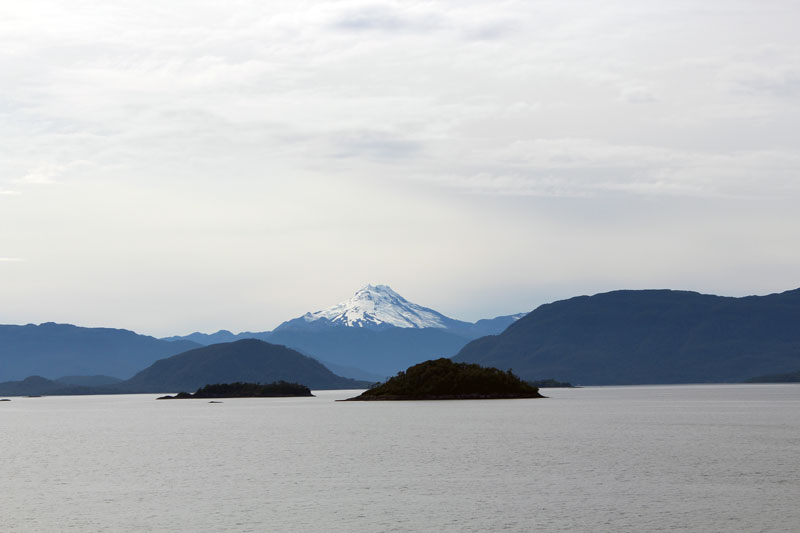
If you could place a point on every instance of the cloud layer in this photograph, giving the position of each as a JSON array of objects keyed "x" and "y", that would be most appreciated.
[{"x": 240, "y": 164}]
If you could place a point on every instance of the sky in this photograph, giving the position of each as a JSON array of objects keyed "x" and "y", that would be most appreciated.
[{"x": 170, "y": 167}]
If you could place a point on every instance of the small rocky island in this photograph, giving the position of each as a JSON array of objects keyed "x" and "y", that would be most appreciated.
[
  {"x": 442, "y": 379},
  {"x": 278, "y": 389}
]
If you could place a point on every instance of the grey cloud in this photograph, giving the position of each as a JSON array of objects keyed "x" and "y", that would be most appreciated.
[
  {"x": 373, "y": 144},
  {"x": 578, "y": 167},
  {"x": 637, "y": 94},
  {"x": 491, "y": 30},
  {"x": 203, "y": 124},
  {"x": 385, "y": 17},
  {"x": 785, "y": 84}
]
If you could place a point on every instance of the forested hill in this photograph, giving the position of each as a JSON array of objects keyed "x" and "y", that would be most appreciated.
[
  {"x": 248, "y": 360},
  {"x": 649, "y": 336}
]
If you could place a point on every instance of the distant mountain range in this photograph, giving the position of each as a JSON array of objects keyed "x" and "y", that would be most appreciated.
[
  {"x": 649, "y": 336},
  {"x": 53, "y": 350},
  {"x": 248, "y": 360},
  {"x": 376, "y": 333},
  {"x": 370, "y": 336},
  {"x": 620, "y": 337}
]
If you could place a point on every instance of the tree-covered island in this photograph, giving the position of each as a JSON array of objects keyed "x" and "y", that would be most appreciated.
[
  {"x": 277, "y": 389},
  {"x": 442, "y": 379}
]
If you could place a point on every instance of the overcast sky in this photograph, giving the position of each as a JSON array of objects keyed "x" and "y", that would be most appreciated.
[{"x": 176, "y": 166}]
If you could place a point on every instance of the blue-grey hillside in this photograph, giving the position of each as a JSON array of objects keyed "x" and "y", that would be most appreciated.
[
  {"x": 39, "y": 386},
  {"x": 789, "y": 377},
  {"x": 382, "y": 352},
  {"x": 54, "y": 350},
  {"x": 649, "y": 336},
  {"x": 89, "y": 381},
  {"x": 376, "y": 332},
  {"x": 248, "y": 360}
]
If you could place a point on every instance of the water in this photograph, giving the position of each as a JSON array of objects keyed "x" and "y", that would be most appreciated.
[{"x": 696, "y": 458}]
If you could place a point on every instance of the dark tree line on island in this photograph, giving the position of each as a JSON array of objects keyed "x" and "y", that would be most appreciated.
[
  {"x": 443, "y": 379},
  {"x": 245, "y": 390}
]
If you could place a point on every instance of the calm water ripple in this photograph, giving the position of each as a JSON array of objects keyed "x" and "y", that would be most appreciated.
[{"x": 659, "y": 458}]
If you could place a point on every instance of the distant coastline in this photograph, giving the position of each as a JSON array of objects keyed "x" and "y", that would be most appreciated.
[
  {"x": 789, "y": 377},
  {"x": 550, "y": 384}
]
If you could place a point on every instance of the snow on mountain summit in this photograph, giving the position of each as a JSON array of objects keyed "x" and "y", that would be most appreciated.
[{"x": 379, "y": 305}]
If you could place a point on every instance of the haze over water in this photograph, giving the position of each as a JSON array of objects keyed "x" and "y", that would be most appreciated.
[{"x": 700, "y": 458}]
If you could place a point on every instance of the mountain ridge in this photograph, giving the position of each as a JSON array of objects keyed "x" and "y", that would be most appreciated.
[
  {"x": 247, "y": 360},
  {"x": 53, "y": 350},
  {"x": 651, "y": 336}
]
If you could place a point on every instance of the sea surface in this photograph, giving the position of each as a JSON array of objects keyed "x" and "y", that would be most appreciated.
[{"x": 655, "y": 458}]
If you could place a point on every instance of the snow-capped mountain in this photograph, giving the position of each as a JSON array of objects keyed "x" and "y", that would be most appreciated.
[
  {"x": 376, "y": 331},
  {"x": 378, "y": 306}
]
